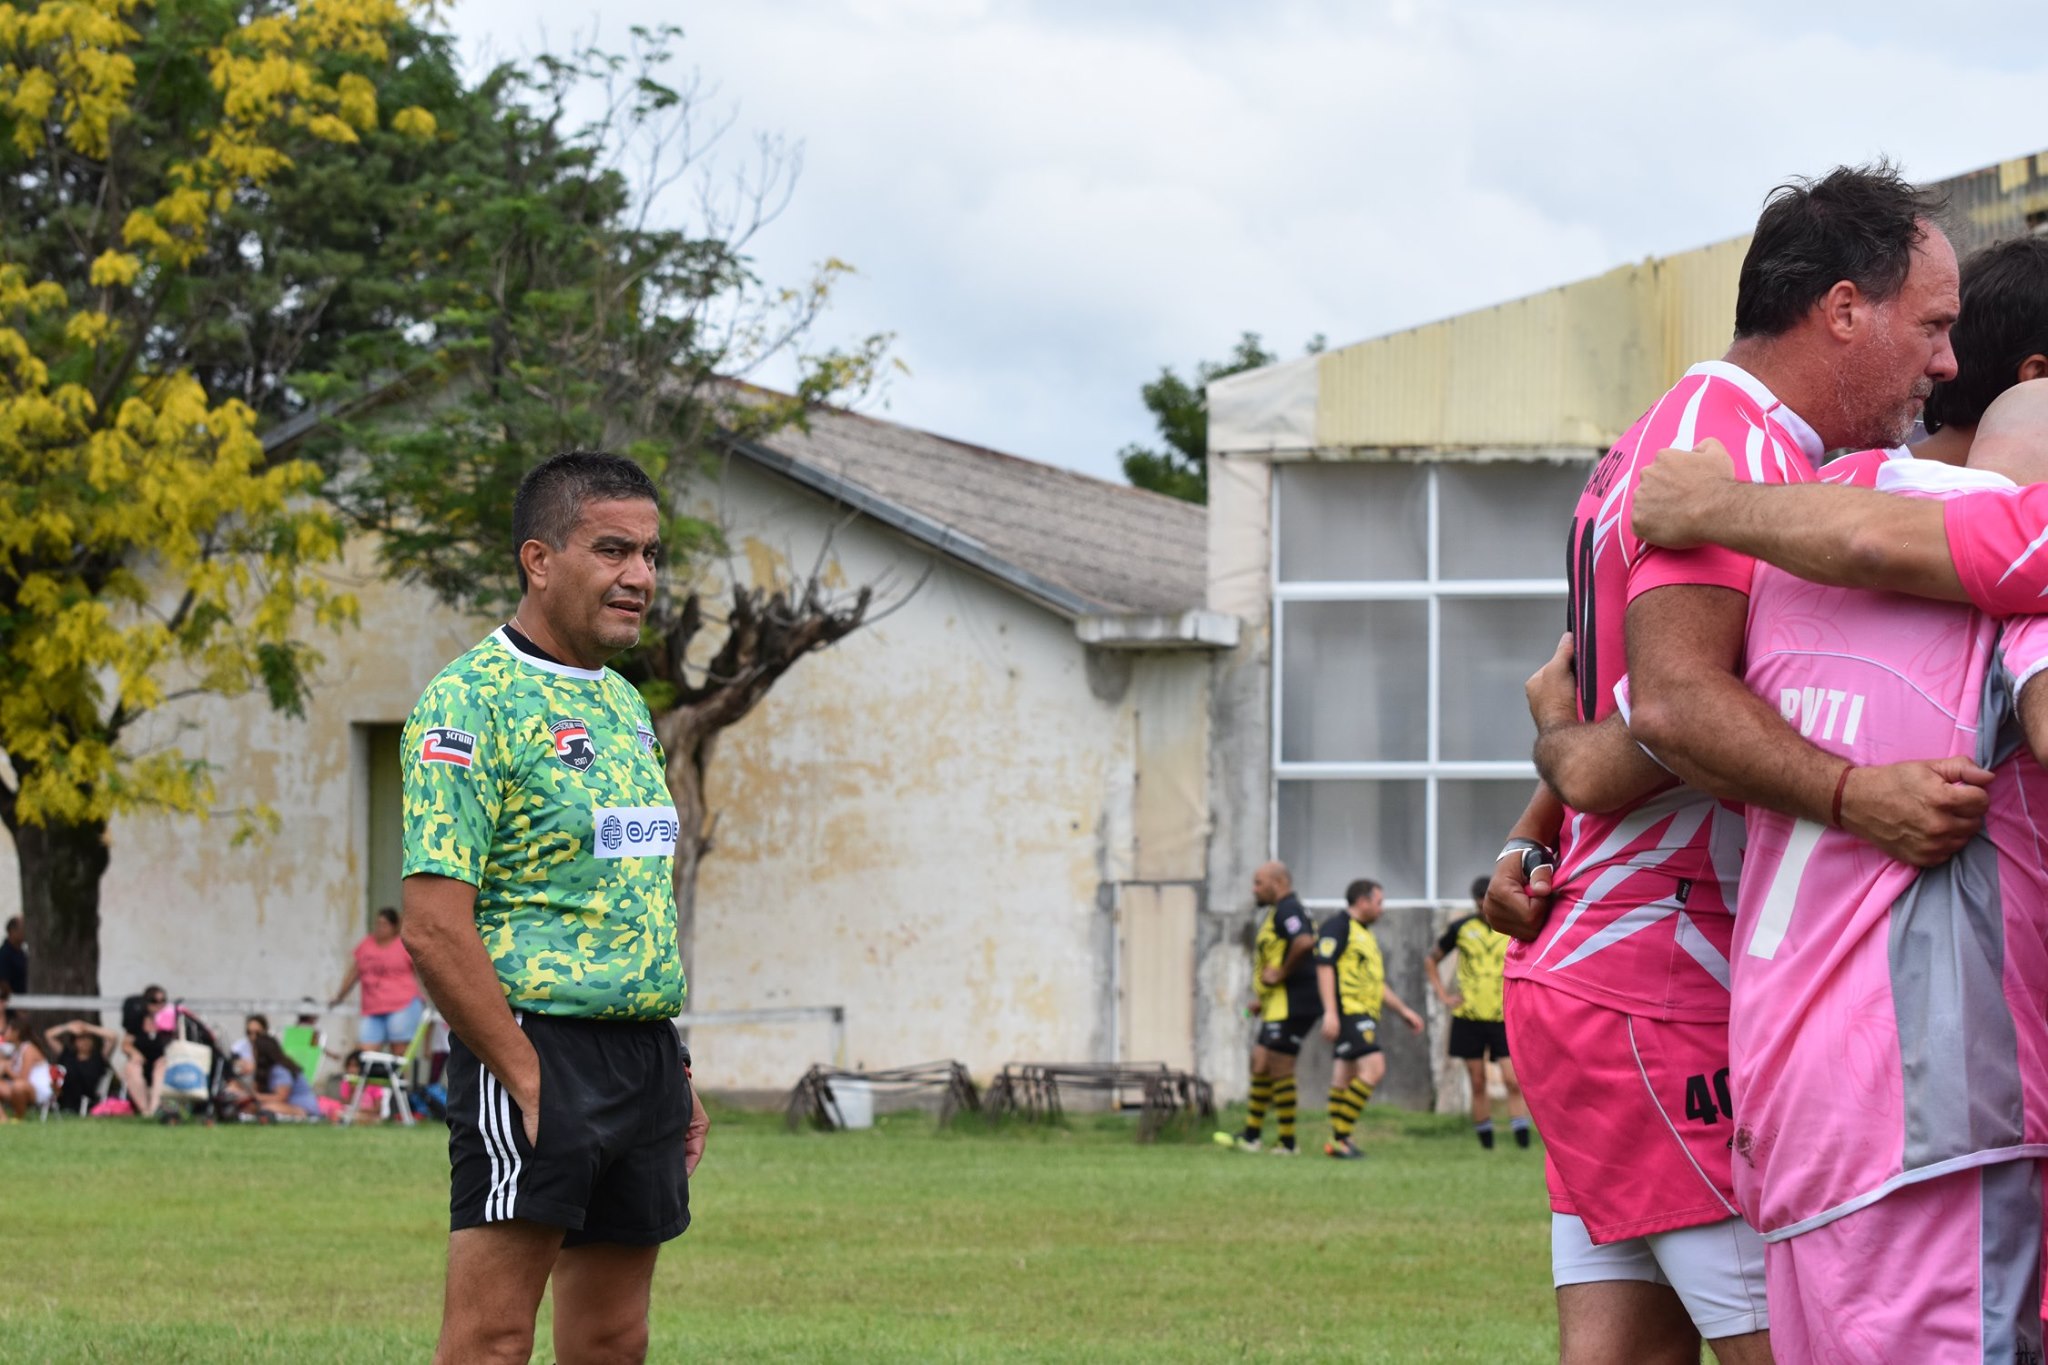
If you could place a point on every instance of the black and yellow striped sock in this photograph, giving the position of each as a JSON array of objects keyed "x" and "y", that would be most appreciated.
[
  {"x": 1255, "y": 1109},
  {"x": 1343, "y": 1113},
  {"x": 1284, "y": 1099},
  {"x": 1361, "y": 1093}
]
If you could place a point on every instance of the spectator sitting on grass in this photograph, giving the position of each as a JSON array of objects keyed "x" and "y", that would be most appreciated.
[
  {"x": 284, "y": 1090},
  {"x": 241, "y": 1085},
  {"x": 86, "y": 1051},
  {"x": 149, "y": 1025},
  {"x": 24, "y": 1070}
]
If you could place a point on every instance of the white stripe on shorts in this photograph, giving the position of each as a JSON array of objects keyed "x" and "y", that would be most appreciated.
[{"x": 492, "y": 1122}]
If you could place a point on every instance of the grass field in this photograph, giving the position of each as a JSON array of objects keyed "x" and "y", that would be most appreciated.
[{"x": 129, "y": 1242}]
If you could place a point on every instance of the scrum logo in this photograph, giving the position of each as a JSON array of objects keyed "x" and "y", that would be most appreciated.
[{"x": 635, "y": 831}]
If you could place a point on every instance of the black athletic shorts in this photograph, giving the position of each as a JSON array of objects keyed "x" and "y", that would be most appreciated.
[
  {"x": 1474, "y": 1039},
  {"x": 1285, "y": 1035},
  {"x": 1358, "y": 1035},
  {"x": 614, "y": 1111}
]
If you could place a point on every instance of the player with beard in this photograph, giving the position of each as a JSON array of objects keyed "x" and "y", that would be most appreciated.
[{"x": 1618, "y": 999}]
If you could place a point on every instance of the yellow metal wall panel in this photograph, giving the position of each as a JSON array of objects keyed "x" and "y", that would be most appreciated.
[
  {"x": 1553, "y": 369},
  {"x": 1695, "y": 314}
]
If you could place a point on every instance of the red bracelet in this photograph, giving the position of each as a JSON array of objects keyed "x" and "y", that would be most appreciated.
[{"x": 1841, "y": 785}]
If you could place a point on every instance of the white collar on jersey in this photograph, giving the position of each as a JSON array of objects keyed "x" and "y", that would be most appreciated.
[
  {"x": 1795, "y": 425},
  {"x": 545, "y": 665},
  {"x": 1932, "y": 476}
]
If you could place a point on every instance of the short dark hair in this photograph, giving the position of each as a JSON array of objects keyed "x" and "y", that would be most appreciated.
[
  {"x": 1856, "y": 223},
  {"x": 1360, "y": 889},
  {"x": 12, "y": 922},
  {"x": 551, "y": 496},
  {"x": 1479, "y": 887},
  {"x": 258, "y": 1020},
  {"x": 388, "y": 913},
  {"x": 2004, "y": 320}
]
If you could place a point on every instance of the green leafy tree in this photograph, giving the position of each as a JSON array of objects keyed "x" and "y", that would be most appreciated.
[
  {"x": 1180, "y": 408},
  {"x": 563, "y": 312},
  {"x": 164, "y": 261}
]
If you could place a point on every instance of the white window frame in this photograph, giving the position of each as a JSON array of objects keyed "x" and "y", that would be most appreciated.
[{"x": 1432, "y": 589}]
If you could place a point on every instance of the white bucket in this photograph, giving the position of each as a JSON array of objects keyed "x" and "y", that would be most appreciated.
[{"x": 854, "y": 1102}]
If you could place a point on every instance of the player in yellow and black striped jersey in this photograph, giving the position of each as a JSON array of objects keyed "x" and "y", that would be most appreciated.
[
  {"x": 1351, "y": 976},
  {"x": 1477, "y": 1027},
  {"x": 1284, "y": 979}
]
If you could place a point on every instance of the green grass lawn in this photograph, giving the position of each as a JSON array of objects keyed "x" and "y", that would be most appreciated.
[{"x": 129, "y": 1242}]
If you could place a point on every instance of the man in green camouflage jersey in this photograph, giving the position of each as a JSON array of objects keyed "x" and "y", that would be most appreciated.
[{"x": 540, "y": 912}]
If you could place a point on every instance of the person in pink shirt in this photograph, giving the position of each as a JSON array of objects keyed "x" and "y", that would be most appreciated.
[
  {"x": 1620, "y": 991},
  {"x": 1890, "y": 1031},
  {"x": 392, "y": 1004}
]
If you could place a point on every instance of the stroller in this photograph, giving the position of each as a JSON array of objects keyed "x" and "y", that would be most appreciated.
[{"x": 194, "y": 1082}]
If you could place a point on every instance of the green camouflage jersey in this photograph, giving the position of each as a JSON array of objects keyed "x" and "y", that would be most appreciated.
[{"x": 542, "y": 786}]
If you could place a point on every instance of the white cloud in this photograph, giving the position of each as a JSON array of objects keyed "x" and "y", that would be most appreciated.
[{"x": 1048, "y": 201}]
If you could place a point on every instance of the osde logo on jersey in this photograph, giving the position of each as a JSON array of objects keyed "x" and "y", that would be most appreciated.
[{"x": 572, "y": 744}]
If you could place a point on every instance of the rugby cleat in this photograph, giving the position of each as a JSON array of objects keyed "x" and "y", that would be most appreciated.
[
  {"x": 1237, "y": 1142},
  {"x": 1342, "y": 1151}
]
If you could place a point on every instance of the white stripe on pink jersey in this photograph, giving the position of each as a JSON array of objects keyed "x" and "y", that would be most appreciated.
[
  {"x": 1641, "y": 919},
  {"x": 1888, "y": 1025},
  {"x": 1996, "y": 537}
]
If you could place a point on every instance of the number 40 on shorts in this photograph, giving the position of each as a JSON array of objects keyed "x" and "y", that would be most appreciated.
[{"x": 1701, "y": 1097}]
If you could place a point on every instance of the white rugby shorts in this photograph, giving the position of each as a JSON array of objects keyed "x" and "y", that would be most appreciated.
[{"x": 1717, "y": 1269}]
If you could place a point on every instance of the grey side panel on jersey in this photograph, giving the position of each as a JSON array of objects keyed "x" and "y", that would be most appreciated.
[
  {"x": 2009, "y": 1262},
  {"x": 1957, "y": 1042}
]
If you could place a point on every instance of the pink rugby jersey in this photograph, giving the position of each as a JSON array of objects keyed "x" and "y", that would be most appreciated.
[
  {"x": 1888, "y": 1025},
  {"x": 1999, "y": 541},
  {"x": 1640, "y": 922}
]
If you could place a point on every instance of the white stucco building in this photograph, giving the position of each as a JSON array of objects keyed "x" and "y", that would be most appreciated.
[{"x": 979, "y": 825}]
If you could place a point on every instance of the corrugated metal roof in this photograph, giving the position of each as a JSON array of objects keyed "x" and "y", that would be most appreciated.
[
  {"x": 1081, "y": 545},
  {"x": 1572, "y": 367}
]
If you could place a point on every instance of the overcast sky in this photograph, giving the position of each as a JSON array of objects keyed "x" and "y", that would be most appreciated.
[{"x": 1048, "y": 201}]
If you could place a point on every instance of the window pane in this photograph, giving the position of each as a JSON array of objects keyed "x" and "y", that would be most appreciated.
[
  {"x": 1472, "y": 822},
  {"x": 1354, "y": 522},
  {"x": 1331, "y": 832},
  {"x": 1490, "y": 647},
  {"x": 1505, "y": 520},
  {"x": 1354, "y": 681}
]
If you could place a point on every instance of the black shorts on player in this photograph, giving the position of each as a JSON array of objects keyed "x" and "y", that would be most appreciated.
[
  {"x": 1475, "y": 1039},
  {"x": 1358, "y": 1036},
  {"x": 1285, "y": 1035},
  {"x": 614, "y": 1113}
]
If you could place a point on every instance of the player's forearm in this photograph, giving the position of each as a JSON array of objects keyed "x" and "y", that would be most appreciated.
[
  {"x": 1297, "y": 951},
  {"x": 1541, "y": 819},
  {"x": 1828, "y": 533},
  {"x": 440, "y": 933},
  {"x": 1326, "y": 987},
  {"x": 1393, "y": 997},
  {"x": 1597, "y": 767},
  {"x": 1723, "y": 739},
  {"x": 1432, "y": 974}
]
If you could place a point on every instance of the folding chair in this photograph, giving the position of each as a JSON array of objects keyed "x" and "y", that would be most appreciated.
[
  {"x": 301, "y": 1043},
  {"x": 397, "y": 1070}
]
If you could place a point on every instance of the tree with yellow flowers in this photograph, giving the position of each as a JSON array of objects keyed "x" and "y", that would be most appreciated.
[{"x": 176, "y": 240}]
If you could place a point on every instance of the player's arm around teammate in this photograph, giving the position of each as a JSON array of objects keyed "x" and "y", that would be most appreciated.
[
  {"x": 1699, "y": 718},
  {"x": 1597, "y": 767}
]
